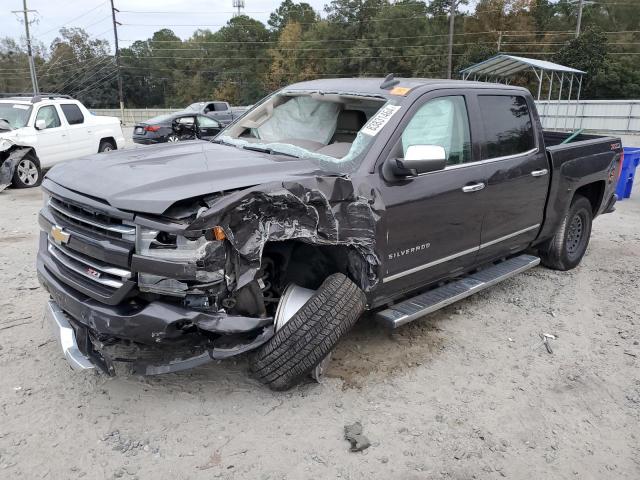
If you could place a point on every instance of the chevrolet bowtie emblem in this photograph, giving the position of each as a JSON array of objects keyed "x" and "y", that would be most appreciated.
[{"x": 59, "y": 235}]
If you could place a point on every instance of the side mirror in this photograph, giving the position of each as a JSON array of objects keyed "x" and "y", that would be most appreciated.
[
  {"x": 41, "y": 124},
  {"x": 420, "y": 159}
]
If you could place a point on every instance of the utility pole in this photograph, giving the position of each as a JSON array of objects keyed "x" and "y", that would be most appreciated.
[
  {"x": 499, "y": 40},
  {"x": 115, "y": 36},
  {"x": 579, "y": 17},
  {"x": 451, "y": 27},
  {"x": 32, "y": 66}
]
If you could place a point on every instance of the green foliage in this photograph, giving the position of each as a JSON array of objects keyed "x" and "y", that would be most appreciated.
[{"x": 245, "y": 59}]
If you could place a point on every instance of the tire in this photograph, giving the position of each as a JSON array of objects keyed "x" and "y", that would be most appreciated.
[
  {"x": 569, "y": 244},
  {"x": 106, "y": 146},
  {"x": 173, "y": 138},
  {"x": 28, "y": 173},
  {"x": 306, "y": 339}
]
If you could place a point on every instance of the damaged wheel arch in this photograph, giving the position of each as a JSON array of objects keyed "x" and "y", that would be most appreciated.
[{"x": 9, "y": 161}]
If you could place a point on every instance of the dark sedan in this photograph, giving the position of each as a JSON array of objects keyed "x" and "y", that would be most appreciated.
[{"x": 176, "y": 127}]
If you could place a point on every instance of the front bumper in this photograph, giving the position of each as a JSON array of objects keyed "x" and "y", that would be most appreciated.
[
  {"x": 66, "y": 336},
  {"x": 151, "y": 338}
]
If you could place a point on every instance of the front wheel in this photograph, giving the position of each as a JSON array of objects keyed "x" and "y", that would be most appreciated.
[
  {"x": 569, "y": 244},
  {"x": 27, "y": 173},
  {"x": 306, "y": 339},
  {"x": 106, "y": 146}
]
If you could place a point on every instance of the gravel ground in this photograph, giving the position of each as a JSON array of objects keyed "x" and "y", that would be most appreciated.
[{"x": 468, "y": 392}]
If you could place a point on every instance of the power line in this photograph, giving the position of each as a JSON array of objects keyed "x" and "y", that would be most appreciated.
[{"x": 73, "y": 19}]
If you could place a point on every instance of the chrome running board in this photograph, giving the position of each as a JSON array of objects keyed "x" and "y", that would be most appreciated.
[{"x": 437, "y": 298}]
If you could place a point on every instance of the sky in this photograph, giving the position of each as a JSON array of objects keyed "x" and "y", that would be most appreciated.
[{"x": 95, "y": 16}]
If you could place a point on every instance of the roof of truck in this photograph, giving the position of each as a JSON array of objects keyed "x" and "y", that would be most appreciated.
[{"x": 371, "y": 85}]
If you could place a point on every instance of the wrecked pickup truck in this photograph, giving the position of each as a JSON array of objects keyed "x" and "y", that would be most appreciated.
[{"x": 328, "y": 198}]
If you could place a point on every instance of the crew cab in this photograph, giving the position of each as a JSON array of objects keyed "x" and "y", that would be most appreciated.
[
  {"x": 38, "y": 132},
  {"x": 328, "y": 198},
  {"x": 220, "y": 111}
]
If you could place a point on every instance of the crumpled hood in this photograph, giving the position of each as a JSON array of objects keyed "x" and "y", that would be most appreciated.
[{"x": 152, "y": 178}]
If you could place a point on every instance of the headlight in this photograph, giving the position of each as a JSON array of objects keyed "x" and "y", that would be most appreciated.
[
  {"x": 45, "y": 197},
  {"x": 206, "y": 255}
]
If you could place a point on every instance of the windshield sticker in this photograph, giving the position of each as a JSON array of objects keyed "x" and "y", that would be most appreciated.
[
  {"x": 379, "y": 120},
  {"x": 21, "y": 107}
]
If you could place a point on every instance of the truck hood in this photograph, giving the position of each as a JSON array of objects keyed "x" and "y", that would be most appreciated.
[{"x": 152, "y": 178}]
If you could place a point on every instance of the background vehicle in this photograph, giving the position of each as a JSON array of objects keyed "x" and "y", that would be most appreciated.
[
  {"x": 44, "y": 130},
  {"x": 220, "y": 111},
  {"x": 328, "y": 198},
  {"x": 176, "y": 127}
]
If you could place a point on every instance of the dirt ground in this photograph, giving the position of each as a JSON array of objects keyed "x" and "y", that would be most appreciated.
[{"x": 468, "y": 392}]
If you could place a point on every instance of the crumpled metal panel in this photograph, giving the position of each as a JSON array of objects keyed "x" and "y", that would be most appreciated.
[
  {"x": 8, "y": 166},
  {"x": 317, "y": 210}
]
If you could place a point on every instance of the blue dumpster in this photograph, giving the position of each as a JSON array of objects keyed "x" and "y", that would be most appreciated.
[{"x": 628, "y": 173}]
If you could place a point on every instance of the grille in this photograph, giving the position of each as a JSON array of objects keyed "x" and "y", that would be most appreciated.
[
  {"x": 100, "y": 274},
  {"x": 90, "y": 219}
]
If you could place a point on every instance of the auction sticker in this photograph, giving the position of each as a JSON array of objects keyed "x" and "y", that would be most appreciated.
[{"x": 379, "y": 120}]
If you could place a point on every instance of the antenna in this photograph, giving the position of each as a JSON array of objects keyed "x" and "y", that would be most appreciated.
[{"x": 239, "y": 6}]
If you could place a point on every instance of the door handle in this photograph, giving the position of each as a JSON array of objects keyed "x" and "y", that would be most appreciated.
[
  {"x": 539, "y": 173},
  {"x": 473, "y": 188}
]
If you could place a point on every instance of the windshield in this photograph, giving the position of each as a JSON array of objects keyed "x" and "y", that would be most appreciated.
[
  {"x": 333, "y": 130},
  {"x": 195, "y": 107},
  {"x": 17, "y": 114}
]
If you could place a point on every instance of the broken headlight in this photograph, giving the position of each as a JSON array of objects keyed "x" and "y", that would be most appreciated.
[{"x": 206, "y": 255}]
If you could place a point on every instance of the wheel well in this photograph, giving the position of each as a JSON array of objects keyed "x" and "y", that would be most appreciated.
[
  {"x": 307, "y": 265},
  {"x": 111, "y": 140},
  {"x": 594, "y": 193}
]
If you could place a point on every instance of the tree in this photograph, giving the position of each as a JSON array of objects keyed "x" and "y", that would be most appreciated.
[
  {"x": 289, "y": 12},
  {"x": 587, "y": 52}
]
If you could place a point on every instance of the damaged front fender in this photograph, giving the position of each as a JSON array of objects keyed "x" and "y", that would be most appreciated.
[
  {"x": 10, "y": 156},
  {"x": 318, "y": 210}
]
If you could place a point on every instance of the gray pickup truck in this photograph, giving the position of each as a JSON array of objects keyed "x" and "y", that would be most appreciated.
[
  {"x": 328, "y": 198},
  {"x": 220, "y": 111}
]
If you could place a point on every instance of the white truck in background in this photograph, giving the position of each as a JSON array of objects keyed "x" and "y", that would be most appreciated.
[{"x": 37, "y": 132}]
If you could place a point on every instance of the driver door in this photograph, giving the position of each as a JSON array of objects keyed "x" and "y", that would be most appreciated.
[
  {"x": 52, "y": 142},
  {"x": 433, "y": 220},
  {"x": 207, "y": 127}
]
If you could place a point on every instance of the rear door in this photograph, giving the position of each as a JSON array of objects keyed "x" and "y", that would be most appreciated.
[
  {"x": 432, "y": 221},
  {"x": 52, "y": 141},
  {"x": 223, "y": 112},
  {"x": 81, "y": 140},
  {"x": 518, "y": 173}
]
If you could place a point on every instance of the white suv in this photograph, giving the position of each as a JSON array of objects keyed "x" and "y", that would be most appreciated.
[{"x": 38, "y": 132}]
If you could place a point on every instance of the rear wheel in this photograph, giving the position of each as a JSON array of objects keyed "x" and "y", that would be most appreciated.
[
  {"x": 106, "y": 146},
  {"x": 569, "y": 244},
  {"x": 307, "y": 338},
  {"x": 173, "y": 138},
  {"x": 27, "y": 173}
]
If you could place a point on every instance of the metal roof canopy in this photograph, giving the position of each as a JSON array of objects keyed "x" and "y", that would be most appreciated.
[{"x": 500, "y": 67}]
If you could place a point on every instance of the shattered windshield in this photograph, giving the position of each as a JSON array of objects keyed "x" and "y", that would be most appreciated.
[
  {"x": 16, "y": 114},
  {"x": 333, "y": 130}
]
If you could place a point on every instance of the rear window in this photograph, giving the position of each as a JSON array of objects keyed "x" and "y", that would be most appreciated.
[
  {"x": 72, "y": 113},
  {"x": 507, "y": 125}
]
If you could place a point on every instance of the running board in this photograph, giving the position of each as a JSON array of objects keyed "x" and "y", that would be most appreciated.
[{"x": 432, "y": 300}]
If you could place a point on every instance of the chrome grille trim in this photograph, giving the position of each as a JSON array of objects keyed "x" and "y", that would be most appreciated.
[
  {"x": 120, "y": 229},
  {"x": 76, "y": 266},
  {"x": 103, "y": 267}
]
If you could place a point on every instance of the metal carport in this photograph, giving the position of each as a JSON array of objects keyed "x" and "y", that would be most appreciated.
[{"x": 502, "y": 67}]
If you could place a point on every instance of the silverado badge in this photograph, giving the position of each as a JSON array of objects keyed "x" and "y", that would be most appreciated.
[{"x": 59, "y": 235}]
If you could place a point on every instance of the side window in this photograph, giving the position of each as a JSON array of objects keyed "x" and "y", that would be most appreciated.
[
  {"x": 72, "y": 113},
  {"x": 185, "y": 120},
  {"x": 221, "y": 107},
  {"x": 507, "y": 125},
  {"x": 49, "y": 115},
  {"x": 207, "y": 122},
  {"x": 442, "y": 121},
  {"x": 211, "y": 107}
]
